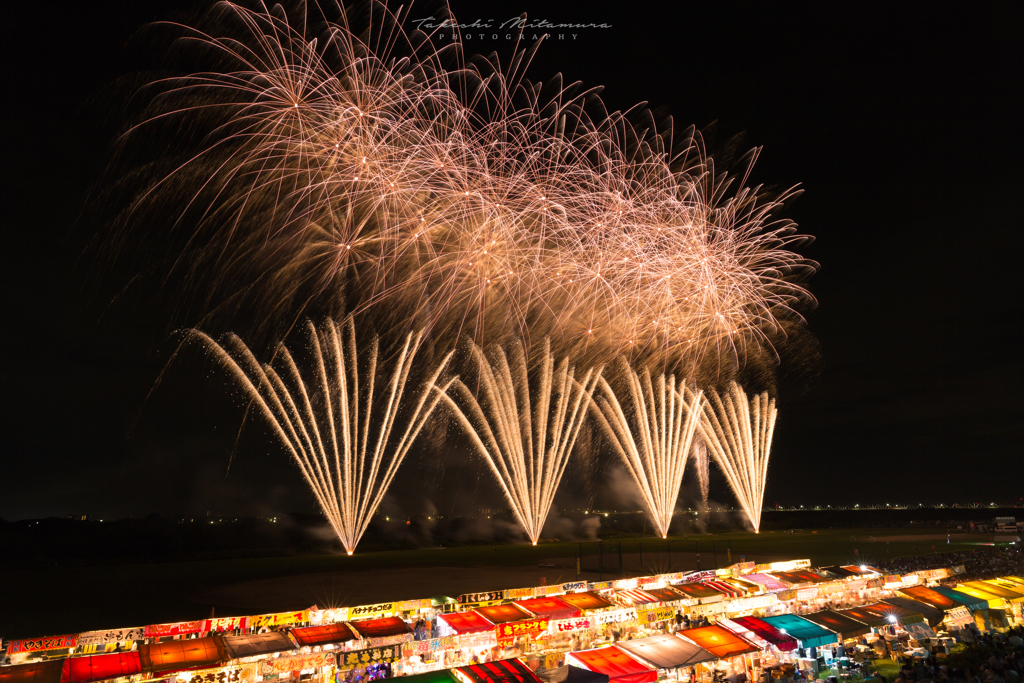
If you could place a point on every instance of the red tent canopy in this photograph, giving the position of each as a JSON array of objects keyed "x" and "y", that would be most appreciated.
[
  {"x": 721, "y": 586},
  {"x": 179, "y": 655},
  {"x": 466, "y": 622},
  {"x": 697, "y": 590},
  {"x": 797, "y": 577},
  {"x": 499, "y": 614},
  {"x": 98, "y": 667},
  {"x": 586, "y": 600},
  {"x": 634, "y": 596},
  {"x": 720, "y": 641},
  {"x": 768, "y": 632},
  {"x": 552, "y": 608},
  {"x": 380, "y": 628},
  {"x": 616, "y": 664},
  {"x": 38, "y": 672},
  {"x": 329, "y": 633},
  {"x": 505, "y": 671}
]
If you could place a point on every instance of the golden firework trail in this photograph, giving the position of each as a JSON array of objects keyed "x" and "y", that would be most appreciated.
[
  {"x": 333, "y": 423},
  {"x": 738, "y": 433},
  {"x": 525, "y": 434},
  {"x": 655, "y": 443}
]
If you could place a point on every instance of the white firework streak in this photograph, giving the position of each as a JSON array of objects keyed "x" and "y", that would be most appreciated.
[
  {"x": 656, "y": 448},
  {"x": 738, "y": 432},
  {"x": 526, "y": 443},
  {"x": 700, "y": 461},
  {"x": 347, "y": 467}
]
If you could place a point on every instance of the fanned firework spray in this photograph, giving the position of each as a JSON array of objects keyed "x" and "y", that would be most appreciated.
[
  {"x": 525, "y": 433},
  {"x": 340, "y": 427}
]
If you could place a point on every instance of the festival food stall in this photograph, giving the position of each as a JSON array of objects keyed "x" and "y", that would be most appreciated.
[
  {"x": 100, "y": 667},
  {"x": 552, "y": 608},
  {"x": 586, "y": 601},
  {"x": 320, "y": 635},
  {"x": 459, "y": 623},
  {"x": 503, "y": 671},
  {"x": 615, "y": 663},
  {"x": 667, "y": 651},
  {"x": 728, "y": 647},
  {"x": 178, "y": 655},
  {"x": 36, "y": 672}
]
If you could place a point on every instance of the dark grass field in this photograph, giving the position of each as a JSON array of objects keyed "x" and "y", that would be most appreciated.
[{"x": 45, "y": 600}]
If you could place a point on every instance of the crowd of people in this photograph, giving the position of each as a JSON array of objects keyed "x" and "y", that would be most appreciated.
[
  {"x": 979, "y": 563},
  {"x": 994, "y": 658}
]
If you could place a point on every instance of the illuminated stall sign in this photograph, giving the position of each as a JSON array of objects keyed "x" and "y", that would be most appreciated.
[
  {"x": 573, "y": 586},
  {"x": 283, "y": 665},
  {"x": 280, "y": 619},
  {"x": 650, "y": 616},
  {"x": 807, "y": 593},
  {"x": 599, "y": 585},
  {"x": 510, "y": 631},
  {"x": 42, "y": 644},
  {"x": 119, "y": 635},
  {"x": 615, "y": 616},
  {"x": 181, "y": 628},
  {"x": 225, "y": 624},
  {"x": 371, "y": 611},
  {"x": 565, "y": 625},
  {"x": 414, "y": 605},
  {"x": 516, "y": 593},
  {"x": 373, "y": 655},
  {"x": 245, "y": 673},
  {"x": 422, "y": 647},
  {"x": 487, "y": 596}
]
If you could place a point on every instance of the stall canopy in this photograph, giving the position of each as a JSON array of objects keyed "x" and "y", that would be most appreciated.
[
  {"x": 865, "y": 617},
  {"x": 697, "y": 590},
  {"x": 894, "y": 613},
  {"x": 766, "y": 580},
  {"x": 634, "y": 596},
  {"x": 328, "y": 633},
  {"x": 745, "y": 586},
  {"x": 585, "y": 600},
  {"x": 177, "y": 655},
  {"x": 552, "y": 608},
  {"x": 665, "y": 651},
  {"x": 616, "y": 664},
  {"x": 962, "y": 598},
  {"x": 844, "y": 626},
  {"x": 39, "y": 672},
  {"x": 98, "y": 667},
  {"x": 666, "y": 594},
  {"x": 797, "y": 578},
  {"x": 500, "y": 614},
  {"x": 860, "y": 570},
  {"x": 570, "y": 674},
  {"x": 807, "y": 632},
  {"x": 724, "y": 588},
  {"x": 719, "y": 641},
  {"x": 838, "y": 572},
  {"x": 929, "y": 596},
  {"x": 996, "y": 589},
  {"x": 505, "y": 671},
  {"x": 466, "y": 622},
  {"x": 766, "y": 631},
  {"x": 931, "y": 614},
  {"x": 264, "y": 643},
  {"x": 380, "y": 628}
]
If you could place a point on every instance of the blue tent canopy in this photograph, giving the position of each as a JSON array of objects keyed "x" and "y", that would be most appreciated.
[
  {"x": 962, "y": 598},
  {"x": 807, "y": 632}
]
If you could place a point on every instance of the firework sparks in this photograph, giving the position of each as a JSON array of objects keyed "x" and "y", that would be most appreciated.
[
  {"x": 466, "y": 200},
  {"x": 525, "y": 441},
  {"x": 655, "y": 449},
  {"x": 342, "y": 439},
  {"x": 738, "y": 433}
]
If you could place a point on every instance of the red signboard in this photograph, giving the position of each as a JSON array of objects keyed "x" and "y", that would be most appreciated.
[
  {"x": 41, "y": 644},
  {"x": 509, "y": 632},
  {"x": 181, "y": 628}
]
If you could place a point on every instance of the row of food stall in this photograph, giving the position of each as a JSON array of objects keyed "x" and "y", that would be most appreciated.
[{"x": 594, "y": 626}]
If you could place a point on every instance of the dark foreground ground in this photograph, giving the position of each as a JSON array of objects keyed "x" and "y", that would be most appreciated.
[{"x": 41, "y": 597}]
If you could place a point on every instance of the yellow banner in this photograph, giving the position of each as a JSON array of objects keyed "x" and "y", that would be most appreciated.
[
  {"x": 279, "y": 619},
  {"x": 649, "y": 616}
]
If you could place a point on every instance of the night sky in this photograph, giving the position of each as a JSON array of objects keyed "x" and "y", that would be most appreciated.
[{"x": 901, "y": 122}]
